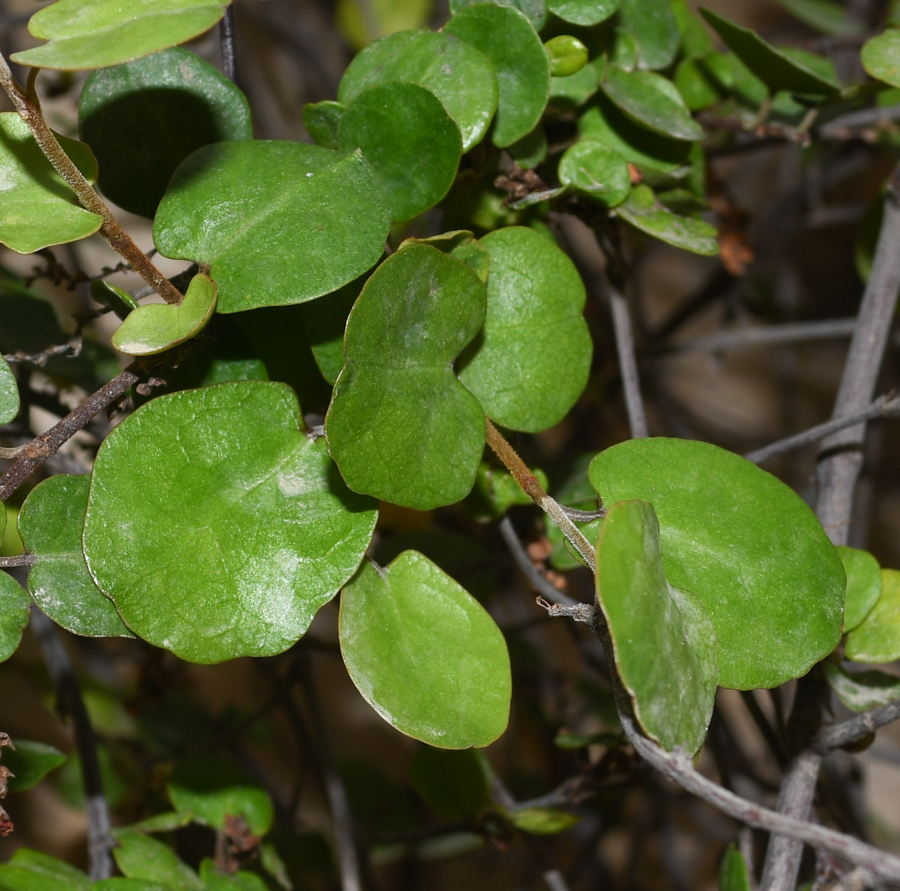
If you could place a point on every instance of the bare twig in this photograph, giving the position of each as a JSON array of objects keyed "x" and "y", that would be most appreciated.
[
  {"x": 856, "y": 728},
  {"x": 841, "y": 127},
  {"x": 19, "y": 560},
  {"x": 634, "y": 404},
  {"x": 226, "y": 41},
  {"x": 769, "y": 335}
]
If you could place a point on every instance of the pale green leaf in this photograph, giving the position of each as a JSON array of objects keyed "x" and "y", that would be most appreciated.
[
  {"x": 9, "y": 396},
  {"x": 863, "y": 585},
  {"x": 877, "y": 637},
  {"x": 861, "y": 691}
]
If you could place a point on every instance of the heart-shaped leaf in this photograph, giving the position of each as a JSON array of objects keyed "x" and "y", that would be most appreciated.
[
  {"x": 51, "y": 522},
  {"x": 158, "y": 327},
  {"x": 877, "y": 637},
  {"x": 321, "y": 215},
  {"x": 861, "y": 691},
  {"x": 30, "y": 762},
  {"x": 400, "y": 425},
  {"x": 519, "y": 59},
  {"x": 535, "y": 299},
  {"x": 593, "y": 168},
  {"x": 228, "y": 546},
  {"x": 97, "y": 33},
  {"x": 654, "y": 27},
  {"x": 457, "y": 73},
  {"x": 38, "y": 207},
  {"x": 9, "y": 394},
  {"x": 15, "y": 610},
  {"x": 663, "y": 639},
  {"x": 745, "y": 545},
  {"x": 409, "y": 139},
  {"x": 863, "y": 585},
  {"x": 425, "y": 654},
  {"x": 881, "y": 57},
  {"x": 190, "y": 103},
  {"x": 534, "y": 10},
  {"x": 645, "y": 212},
  {"x": 583, "y": 12}
]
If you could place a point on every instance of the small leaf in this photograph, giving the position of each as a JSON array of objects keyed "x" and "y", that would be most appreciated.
[
  {"x": 596, "y": 170},
  {"x": 654, "y": 27},
  {"x": 863, "y": 585},
  {"x": 877, "y": 637},
  {"x": 424, "y": 654},
  {"x": 322, "y": 120},
  {"x": 825, "y": 16},
  {"x": 141, "y": 857},
  {"x": 495, "y": 492},
  {"x": 229, "y": 546},
  {"x": 583, "y": 12},
  {"x": 703, "y": 80},
  {"x": 15, "y": 610},
  {"x": 362, "y": 21},
  {"x": 30, "y": 762},
  {"x": 321, "y": 215},
  {"x": 190, "y": 103},
  {"x": 567, "y": 54},
  {"x": 645, "y": 212},
  {"x": 733, "y": 874},
  {"x": 113, "y": 298},
  {"x": 881, "y": 57},
  {"x": 400, "y": 425},
  {"x": 29, "y": 870},
  {"x": 534, "y": 10},
  {"x": 542, "y": 820},
  {"x": 164, "y": 822},
  {"x": 9, "y": 396},
  {"x": 663, "y": 639},
  {"x": 515, "y": 51},
  {"x": 39, "y": 209},
  {"x": 454, "y": 784},
  {"x": 97, "y": 33},
  {"x": 861, "y": 691},
  {"x": 51, "y": 523},
  {"x": 457, "y": 73},
  {"x": 535, "y": 300},
  {"x": 460, "y": 244},
  {"x": 570, "y": 92}
]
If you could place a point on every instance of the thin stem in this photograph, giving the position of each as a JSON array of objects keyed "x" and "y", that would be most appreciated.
[
  {"x": 226, "y": 41},
  {"x": 631, "y": 384},
  {"x": 119, "y": 240},
  {"x": 19, "y": 560},
  {"x": 769, "y": 335},
  {"x": 856, "y": 728},
  {"x": 531, "y": 572}
]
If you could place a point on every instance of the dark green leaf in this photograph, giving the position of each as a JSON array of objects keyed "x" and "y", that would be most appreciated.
[
  {"x": 861, "y": 691},
  {"x": 593, "y": 168},
  {"x": 424, "y": 654},
  {"x": 242, "y": 880},
  {"x": 30, "y": 870},
  {"x": 877, "y": 637},
  {"x": 189, "y": 103},
  {"x": 645, "y": 212},
  {"x": 378, "y": 802},
  {"x": 863, "y": 585},
  {"x": 542, "y": 820},
  {"x": 322, "y": 120},
  {"x": 321, "y": 215},
  {"x": 703, "y": 80},
  {"x": 695, "y": 39},
  {"x": 733, "y": 874},
  {"x": 141, "y": 857},
  {"x": 9, "y": 394},
  {"x": 495, "y": 492},
  {"x": 881, "y": 57},
  {"x": 30, "y": 762},
  {"x": 230, "y": 545},
  {"x": 15, "y": 610},
  {"x": 400, "y": 425},
  {"x": 120, "y": 883},
  {"x": 324, "y": 321},
  {"x": 530, "y": 150},
  {"x": 569, "y": 92},
  {"x": 583, "y": 12},
  {"x": 119, "y": 301},
  {"x": 454, "y": 784},
  {"x": 568, "y": 55},
  {"x": 825, "y": 16},
  {"x": 460, "y": 244},
  {"x": 655, "y": 28},
  {"x": 746, "y": 545},
  {"x": 535, "y": 10}
]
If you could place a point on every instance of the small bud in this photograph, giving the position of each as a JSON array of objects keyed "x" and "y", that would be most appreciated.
[{"x": 568, "y": 55}]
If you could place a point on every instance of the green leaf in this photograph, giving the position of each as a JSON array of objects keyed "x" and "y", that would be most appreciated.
[
  {"x": 861, "y": 691},
  {"x": 733, "y": 874},
  {"x": 322, "y": 120},
  {"x": 772, "y": 66},
  {"x": 515, "y": 51},
  {"x": 159, "y": 326},
  {"x": 703, "y": 80},
  {"x": 653, "y": 25},
  {"x": 324, "y": 321},
  {"x": 596, "y": 170},
  {"x": 168, "y": 821},
  {"x": 97, "y": 33},
  {"x": 663, "y": 639},
  {"x": 825, "y": 16},
  {"x": 530, "y": 150},
  {"x": 15, "y": 610},
  {"x": 877, "y": 637},
  {"x": 51, "y": 523},
  {"x": 583, "y": 12},
  {"x": 362, "y": 21},
  {"x": 457, "y": 73},
  {"x": 542, "y": 820},
  {"x": 30, "y": 762},
  {"x": 460, "y": 244},
  {"x": 39, "y": 209},
  {"x": 454, "y": 784},
  {"x": 114, "y": 298},
  {"x": 228, "y": 546},
  {"x": 567, "y": 54},
  {"x": 139, "y": 856},
  {"x": 242, "y": 880},
  {"x": 424, "y": 654},
  {"x": 881, "y": 57},
  {"x": 495, "y": 492},
  {"x": 9, "y": 395},
  {"x": 645, "y": 212},
  {"x": 400, "y": 425},
  {"x": 652, "y": 101},
  {"x": 570, "y": 92},
  {"x": 413, "y": 145},
  {"x": 534, "y": 10},
  {"x": 120, "y": 883},
  {"x": 321, "y": 215},
  {"x": 743, "y": 543},
  {"x": 190, "y": 103},
  {"x": 863, "y": 585},
  {"x": 212, "y": 788},
  {"x": 29, "y": 870},
  {"x": 695, "y": 39},
  {"x": 535, "y": 299}
]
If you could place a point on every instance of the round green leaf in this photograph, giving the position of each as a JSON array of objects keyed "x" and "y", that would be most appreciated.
[
  {"x": 15, "y": 610},
  {"x": 645, "y": 212},
  {"x": 773, "y": 67},
  {"x": 519, "y": 59},
  {"x": 409, "y": 139},
  {"x": 567, "y": 54},
  {"x": 863, "y": 585},
  {"x": 583, "y": 12},
  {"x": 142, "y": 857},
  {"x": 159, "y": 326},
  {"x": 425, "y": 654},
  {"x": 38, "y": 208},
  {"x": 663, "y": 639},
  {"x": 190, "y": 103},
  {"x": 228, "y": 544},
  {"x": 30, "y": 762},
  {"x": 651, "y": 100},
  {"x": 454, "y": 784},
  {"x": 98, "y": 33},
  {"x": 877, "y": 637},
  {"x": 400, "y": 425},
  {"x": 534, "y": 10},
  {"x": 9, "y": 395},
  {"x": 534, "y": 315},
  {"x": 861, "y": 691},
  {"x": 654, "y": 27},
  {"x": 881, "y": 57},
  {"x": 277, "y": 222},
  {"x": 51, "y": 522},
  {"x": 212, "y": 788},
  {"x": 591, "y": 167},
  {"x": 457, "y": 73},
  {"x": 322, "y": 120},
  {"x": 745, "y": 545}
]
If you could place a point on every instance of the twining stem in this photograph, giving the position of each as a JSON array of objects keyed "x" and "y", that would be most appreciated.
[
  {"x": 529, "y": 484},
  {"x": 29, "y": 109}
]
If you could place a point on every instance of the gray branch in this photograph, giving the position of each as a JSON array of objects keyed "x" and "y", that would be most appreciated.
[
  {"x": 631, "y": 384},
  {"x": 769, "y": 335}
]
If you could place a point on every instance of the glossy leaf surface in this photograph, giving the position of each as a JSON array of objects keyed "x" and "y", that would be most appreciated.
[
  {"x": 409, "y": 139},
  {"x": 30, "y": 762},
  {"x": 733, "y": 874},
  {"x": 9, "y": 394},
  {"x": 519, "y": 60},
  {"x": 322, "y": 120},
  {"x": 400, "y": 425},
  {"x": 454, "y": 784},
  {"x": 140, "y": 856},
  {"x": 535, "y": 299},
  {"x": 653, "y": 25},
  {"x": 15, "y": 610},
  {"x": 460, "y": 244},
  {"x": 51, "y": 523},
  {"x": 38, "y": 208},
  {"x": 29, "y": 870},
  {"x": 568, "y": 55},
  {"x": 190, "y": 104},
  {"x": 663, "y": 639},
  {"x": 457, "y": 73},
  {"x": 861, "y": 691},
  {"x": 877, "y": 637},
  {"x": 593, "y": 168},
  {"x": 863, "y": 585},
  {"x": 881, "y": 57},
  {"x": 425, "y": 654},
  {"x": 645, "y": 212},
  {"x": 97, "y": 33},
  {"x": 158, "y": 326},
  {"x": 583, "y": 12},
  {"x": 321, "y": 215},
  {"x": 747, "y": 546},
  {"x": 534, "y": 10},
  {"x": 229, "y": 545}
]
